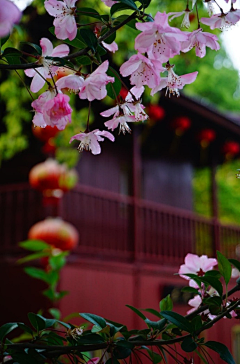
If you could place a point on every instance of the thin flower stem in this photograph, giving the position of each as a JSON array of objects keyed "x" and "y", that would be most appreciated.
[
  {"x": 221, "y": 9},
  {"x": 27, "y": 88},
  {"x": 199, "y": 26}
]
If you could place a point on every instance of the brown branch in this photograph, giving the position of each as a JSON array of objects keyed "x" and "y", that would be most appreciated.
[{"x": 82, "y": 52}]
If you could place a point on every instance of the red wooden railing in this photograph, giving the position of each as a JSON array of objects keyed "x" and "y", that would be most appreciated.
[{"x": 117, "y": 226}]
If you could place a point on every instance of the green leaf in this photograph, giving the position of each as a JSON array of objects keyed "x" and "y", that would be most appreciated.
[
  {"x": 178, "y": 320},
  {"x": 35, "y": 46},
  {"x": 3, "y": 40},
  {"x": 154, "y": 312},
  {"x": 91, "y": 339},
  {"x": 121, "y": 352},
  {"x": 96, "y": 328},
  {"x": 64, "y": 324},
  {"x": 222, "y": 350},
  {"x": 213, "y": 273},
  {"x": 34, "y": 245},
  {"x": 224, "y": 267},
  {"x": 12, "y": 55},
  {"x": 89, "y": 38},
  {"x": 156, "y": 325},
  {"x": 190, "y": 290},
  {"x": 37, "y": 321},
  {"x": 116, "y": 85},
  {"x": 145, "y": 3},
  {"x": 94, "y": 319},
  {"x": 188, "y": 345},
  {"x": 139, "y": 313},
  {"x": 111, "y": 38},
  {"x": 58, "y": 261},
  {"x": 215, "y": 300},
  {"x": 197, "y": 323},
  {"x": 155, "y": 357},
  {"x": 55, "y": 312},
  {"x": 25, "y": 328},
  {"x": 214, "y": 282},
  {"x": 125, "y": 344},
  {"x": 166, "y": 304},
  {"x": 11, "y": 52},
  {"x": 129, "y": 3},
  {"x": 89, "y": 12},
  {"x": 83, "y": 60},
  {"x": 235, "y": 262},
  {"x": 37, "y": 273},
  {"x": 7, "y": 328},
  {"x": 118, "y": 7},
  {"x": 77, "y": 42},
  {"x": 100, "y": 50},
  {"x": 34, "y": 256}
]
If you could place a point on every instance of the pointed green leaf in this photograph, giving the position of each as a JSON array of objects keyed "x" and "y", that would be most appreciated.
[
  {"x": 94, "y": 319},
  {"x": 224, "y": 267},
  {"x": 7, "y": 328},
  {"x": 34, "y": 245},
  {"x": 166, "y": 304},
  {"x": 139, "y": 313},
  {"x": 156, "y": 325},
  {"x": 222, "y": 350},
  {"x": 89, "y": 38},
  {"x": 188, "y": 345},
  {"x": 154, "y": 312},
  {"x": 34, "y": 256},
  {"x": 37, "y": 321},
  {"x": 35, "y": 46},
  {"x": 178, "y": 320}
]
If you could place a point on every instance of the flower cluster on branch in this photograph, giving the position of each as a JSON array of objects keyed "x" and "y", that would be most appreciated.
[{"x": 152, "y": 65}]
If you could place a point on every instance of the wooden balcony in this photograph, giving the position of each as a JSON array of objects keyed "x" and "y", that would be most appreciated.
[{"x": 116, "y": 227}]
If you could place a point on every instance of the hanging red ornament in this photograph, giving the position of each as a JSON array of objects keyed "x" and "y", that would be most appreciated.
[
  {"x": 155, "y": 112},
  {"x": 52, "y": 179},
  {"x": 206, "y": 136},
  {"x": 180, "y": 125},
  {"x": 231, "y": 149},
  {"x": 44, "y": 134},
  {"x": 55, "y": 232}
]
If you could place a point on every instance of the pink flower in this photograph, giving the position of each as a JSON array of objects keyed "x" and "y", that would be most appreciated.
[
  {"x": 90, "y": 141},
  {"x": 44, "y": 72},
  {"x": 9, "y": 15},
  {"x": 222, "y": 21},
  {"x": 200, "y": 40},
  {"x": 174, "y": 82},
  {"x": 94, "y": 86},
  {"x": 186, "y": 20},
  {"x": 51, "y": 109},
  {"x": 72, "y": 82},
  {"x": 57, "y": 111},
  {"x": 64, "y": 13},
  {"x": 143, "y": 71},
  {"x": 112, "y": 47},
  {"x": 196, "y": 265},
  {"x": 38, "y": 106},
  {"x": 109, "y": 3},
  {"x": 122, "y": 121},
  {"x": 158, "y": 39},
  {"x": 195, "y": 303}
]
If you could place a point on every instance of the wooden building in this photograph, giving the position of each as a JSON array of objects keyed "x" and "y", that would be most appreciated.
[{"x": 133, "y": 208}]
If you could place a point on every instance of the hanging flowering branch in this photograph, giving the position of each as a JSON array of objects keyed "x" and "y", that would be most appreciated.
[
  {"x": 170, "y": 334},
  {"x": 157, "y": 43}
]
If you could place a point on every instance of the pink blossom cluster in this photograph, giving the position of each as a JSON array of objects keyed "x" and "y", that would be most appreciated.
[
  {"x": 156, "y": 45},
  {"x": 199, "y": 266}
]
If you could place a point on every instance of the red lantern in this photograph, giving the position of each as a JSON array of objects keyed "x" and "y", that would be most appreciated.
[
  {"x": 231, "y": 149},
  {"x": 181, "y": 124},
  {"x": 155, "y": 112},
  {"x": 55, "y": 232},
  {"x": 44, "y": 134},
  {"x": 52, "y": 179},
  {"x": 206, "y": 136}
]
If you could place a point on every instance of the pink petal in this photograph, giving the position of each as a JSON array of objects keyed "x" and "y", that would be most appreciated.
[
  {"x": 60, "y": 51},
  {"x": 47, "y": 47}
]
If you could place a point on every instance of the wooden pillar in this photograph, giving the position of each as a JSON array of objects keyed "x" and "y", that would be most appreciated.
[
  {"x": 137, "y": 177},
  {"x": 214, "y": 206}
]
